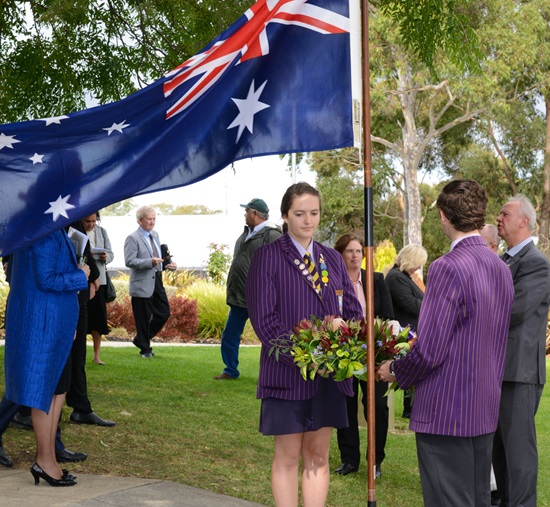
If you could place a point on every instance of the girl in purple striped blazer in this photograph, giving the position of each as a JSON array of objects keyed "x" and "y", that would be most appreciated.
[{"x": 281, "y": 291}]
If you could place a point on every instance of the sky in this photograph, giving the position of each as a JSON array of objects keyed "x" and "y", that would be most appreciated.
[
  {"x": 189, "y": 237},
  {"x": 266, "y": 178}
]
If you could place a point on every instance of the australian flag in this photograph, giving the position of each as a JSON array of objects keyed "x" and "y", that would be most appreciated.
[{"x": 276, "y": 81}]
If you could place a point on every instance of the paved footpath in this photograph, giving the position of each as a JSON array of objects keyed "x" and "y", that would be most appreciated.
[{"x": 17, "y": 489}]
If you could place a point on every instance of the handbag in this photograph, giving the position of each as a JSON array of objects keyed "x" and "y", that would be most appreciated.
[{"x": 110, "y": 292}]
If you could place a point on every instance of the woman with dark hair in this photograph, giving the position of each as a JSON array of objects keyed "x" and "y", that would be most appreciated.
[
  {"x": 351, "y": 247},
  {"x": 97, "y": 309},
  {"x": 281, "y": 291},
  {"x": 41, "y": 317}
]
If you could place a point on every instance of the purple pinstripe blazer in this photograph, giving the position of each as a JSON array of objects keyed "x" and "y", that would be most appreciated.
[
  {"x": 279, "y": 296},
  {"x": 457, "y": 363}
]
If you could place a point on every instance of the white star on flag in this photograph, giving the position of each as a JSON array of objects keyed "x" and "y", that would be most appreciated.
[
  {"x": 117, "y": 126},
  {"x": 36, "y": 159},
  {"x": 54, "y": 119},
  {"x": 7, "y": 141},
  {"x": 59, "y": 207},
  {"x": 247, "y": 109}
]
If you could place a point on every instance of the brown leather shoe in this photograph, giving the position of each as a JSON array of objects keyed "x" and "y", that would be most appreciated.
[{"x": 224, "y": 376}]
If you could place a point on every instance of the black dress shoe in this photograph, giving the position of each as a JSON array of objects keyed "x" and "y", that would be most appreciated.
[
  {"x": 66, "y": 456},
  {"x": 23, "y": 422},
  {"x": 91, "y": 418},
  {"x": 346, "y": 469},
  {"x": 4, "y": 459}
]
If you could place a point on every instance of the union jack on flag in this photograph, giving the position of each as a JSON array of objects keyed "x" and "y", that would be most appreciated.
[{"x": 276, "y": 81}]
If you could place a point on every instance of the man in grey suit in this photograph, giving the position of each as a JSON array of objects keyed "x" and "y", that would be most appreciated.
[
  {"x": 515, "y": 456},
  {"x": 149, "y": 302}
]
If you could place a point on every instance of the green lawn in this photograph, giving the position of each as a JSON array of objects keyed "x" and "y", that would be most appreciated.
[{"x": 174, "y": 422}]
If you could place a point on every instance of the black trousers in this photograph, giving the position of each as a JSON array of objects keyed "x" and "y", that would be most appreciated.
[
  {"x": 455, "y": 471},
  {"x": 77, "y": 395},
  {"x": 150, "y": 315},
  {"x": 348, "y": 438}
]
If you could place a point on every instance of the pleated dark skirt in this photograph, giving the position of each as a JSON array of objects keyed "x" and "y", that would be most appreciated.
[
  {"x": 285, "y": 417},
  {"x": 97, "y": 312}
]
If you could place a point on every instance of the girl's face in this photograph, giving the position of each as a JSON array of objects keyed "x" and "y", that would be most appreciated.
[
  {"x": 303, "y": 218},
  {"x": 353, "y": 255}
]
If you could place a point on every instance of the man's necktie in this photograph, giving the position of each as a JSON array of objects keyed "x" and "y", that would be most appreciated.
[
  {"x": 154, "y": 246},
  {"x": 506, "y": 257},
  {"x": 311, "y": 268}
]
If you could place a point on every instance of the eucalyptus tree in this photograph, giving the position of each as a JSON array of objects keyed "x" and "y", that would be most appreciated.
[{"x": 56, "y": 54}]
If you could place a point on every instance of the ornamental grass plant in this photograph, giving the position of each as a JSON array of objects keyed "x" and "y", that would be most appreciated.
[
  {"x": 176, "y": 423},
  {"x": 213, "y": 310}
]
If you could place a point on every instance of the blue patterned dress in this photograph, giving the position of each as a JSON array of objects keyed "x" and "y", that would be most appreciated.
[{"x": 41, "y": 317}]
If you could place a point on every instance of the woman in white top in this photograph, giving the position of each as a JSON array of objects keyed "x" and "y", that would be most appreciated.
[{"x": 103, "y": 254}]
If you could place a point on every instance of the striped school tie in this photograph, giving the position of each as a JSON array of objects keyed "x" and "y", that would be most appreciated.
[{"x": 311, "y": 268}]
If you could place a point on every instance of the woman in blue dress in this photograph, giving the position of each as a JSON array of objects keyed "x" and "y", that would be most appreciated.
[{"x": 41, "y": 317}]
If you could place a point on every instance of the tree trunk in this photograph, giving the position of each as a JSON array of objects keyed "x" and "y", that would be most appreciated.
[
  {"x": 544, "y": 214},
  {"x": 409, "y": 158}
]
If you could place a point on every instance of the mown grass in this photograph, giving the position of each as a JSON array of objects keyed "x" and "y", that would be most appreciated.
[{"x": 174, "y": 422}]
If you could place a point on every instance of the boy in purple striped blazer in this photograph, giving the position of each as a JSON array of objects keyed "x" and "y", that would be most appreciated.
[
  {"x": 280, "y": 292},
  {"x": 457, "y": 363}
]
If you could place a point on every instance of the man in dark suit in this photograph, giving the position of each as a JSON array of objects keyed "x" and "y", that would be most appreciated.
[
  {"x": 457, "y": 363},
  {"x": 515, "y": 456},
  {"x": 142, "y": 254}
]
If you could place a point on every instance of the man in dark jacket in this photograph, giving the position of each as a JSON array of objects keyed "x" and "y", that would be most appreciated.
[{"x": 257, "y": 232}]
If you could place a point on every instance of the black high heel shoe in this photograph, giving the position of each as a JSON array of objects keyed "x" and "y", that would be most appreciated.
[{"x": 38, "y": 473}]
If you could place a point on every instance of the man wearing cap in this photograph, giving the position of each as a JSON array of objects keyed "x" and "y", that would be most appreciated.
[{"x": 257, "y": 232}]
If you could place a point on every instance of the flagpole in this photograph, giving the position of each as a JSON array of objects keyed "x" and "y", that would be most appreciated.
[{"x": 369, "y": 248}]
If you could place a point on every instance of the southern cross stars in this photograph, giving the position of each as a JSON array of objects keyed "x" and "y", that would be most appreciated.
[
  {"x": 7, "y": 141},
  {"x": 37, "y": 159},
  {"x": 117, "y": 126},
  {"x": 54, "y": 119},
  {"x": 59, "y": 207},
  {"x": 247, "y": 109}
]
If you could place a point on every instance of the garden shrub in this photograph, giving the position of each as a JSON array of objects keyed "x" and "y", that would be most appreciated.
[
  {"x": 183, "y": 322},
  {"x": 119, "y": 314},
  {"x": 4, "y": 289},
  {"x": 181, "y": 326},
  {"x": 213, "y": 310},
  {"x": 211, "y": 307}
]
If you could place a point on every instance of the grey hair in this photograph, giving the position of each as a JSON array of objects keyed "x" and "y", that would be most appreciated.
[
  {"x": 411, "y": 256},
  {"x": 263, "y": 216},
  {"x": 489, "y": 233},
  {"x": 525, "y": 209},
  {"x": 144, "y": 210}
]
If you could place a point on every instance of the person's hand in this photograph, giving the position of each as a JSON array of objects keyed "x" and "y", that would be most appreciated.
[
  {"x": 86, "y": 269},
  {"x": 172, "y": 266},
  {"x": 336, "y": 323},
  {"x": 156, "y": 261},
  {"x": 383, "y": 372},
  {"x": 102, "y": 256}
]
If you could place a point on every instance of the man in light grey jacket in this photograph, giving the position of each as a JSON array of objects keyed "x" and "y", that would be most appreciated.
[{"x": 142, "y": 254}]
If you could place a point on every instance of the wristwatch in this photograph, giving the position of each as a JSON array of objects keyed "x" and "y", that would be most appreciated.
[{"x": 390, "y": 367}]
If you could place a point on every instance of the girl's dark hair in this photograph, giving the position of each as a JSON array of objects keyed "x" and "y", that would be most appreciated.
[{"x": 296, "y": 190}]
